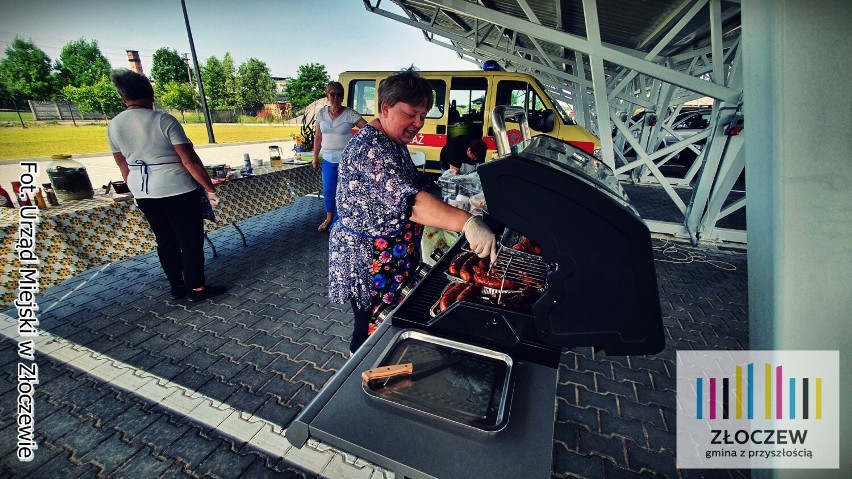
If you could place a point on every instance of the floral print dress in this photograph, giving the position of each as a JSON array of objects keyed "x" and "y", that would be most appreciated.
[{"x": 374, "y": 244}]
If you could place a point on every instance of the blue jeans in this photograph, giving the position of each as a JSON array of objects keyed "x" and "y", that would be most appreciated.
[{"x": 329, "y": 186}]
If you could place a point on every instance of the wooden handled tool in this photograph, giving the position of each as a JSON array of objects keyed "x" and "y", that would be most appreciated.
[{"x": 385, "y": 372}]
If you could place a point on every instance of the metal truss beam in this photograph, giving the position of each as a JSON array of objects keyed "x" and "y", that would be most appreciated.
[
  {"x": 597, "y": 49},
  {"x": 604, "y": 83}
]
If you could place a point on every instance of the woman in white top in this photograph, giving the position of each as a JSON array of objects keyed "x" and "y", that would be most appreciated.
[
  {"x": 163, "y": 171},
  {"x": 334, "y": 130}
]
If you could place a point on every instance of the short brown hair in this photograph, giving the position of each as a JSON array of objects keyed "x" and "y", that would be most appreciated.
[
  {"x": 478, "y": 148},
  {"x": 333, "y": 85},
  {"x": 406, "y": 86}
]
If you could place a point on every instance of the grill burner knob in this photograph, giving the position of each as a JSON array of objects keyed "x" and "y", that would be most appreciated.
[
  {"x": 436, "y": 254},
  {"x": 421, "y": 270},
  {"x": 384, "y": 312}
]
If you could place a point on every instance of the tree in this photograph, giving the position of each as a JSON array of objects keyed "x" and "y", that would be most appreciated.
[
  {"x": 213, "y": 75},
  {"x": 179, "y": 96},
  {"x": 308, "y": 86},
  {"x": 168, "y": 66},
  {"x": 25, "y": 72},
  {"x": 81, "y": 63},
  {"x": 100, "y": 96},
  {"x": 255, "y": 83},
  {"x": 231, "y": 89}
]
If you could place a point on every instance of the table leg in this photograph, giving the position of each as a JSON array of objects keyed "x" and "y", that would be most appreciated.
[
  {"x": 241, "y": 233},
  {"x": 215, "y": 254}
]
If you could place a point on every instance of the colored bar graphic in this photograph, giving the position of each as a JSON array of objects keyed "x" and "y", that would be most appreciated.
[
  {"x": 738, "y": 377},
  {"x": 712, "y": 398},
  {"x": 767, "y": 370},
  {"x": 779, "y": 393},
  {"x": 819, "y": 398},
  {"x": 699, "y": 398},
  {"x": 739, "y": 393},
  {"x": 792, "y": 398},
  {"x": 751, "y": 390}
]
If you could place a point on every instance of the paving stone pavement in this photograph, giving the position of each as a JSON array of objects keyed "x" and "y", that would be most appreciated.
[{"x": 137, "y": 385}]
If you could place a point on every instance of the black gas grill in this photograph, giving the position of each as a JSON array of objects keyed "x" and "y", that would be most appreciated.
[
  {"x": 596, "y": 257},
  {"x": 589, "y": 281}
]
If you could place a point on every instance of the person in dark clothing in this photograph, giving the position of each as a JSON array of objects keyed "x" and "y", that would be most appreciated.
[{"x": 461, "y": 154}]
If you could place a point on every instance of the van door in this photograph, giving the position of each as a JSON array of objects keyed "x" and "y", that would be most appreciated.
[
  {"x": 541, "y": 110},
  {"x": 361, "y": 97},
  {"x": 467, "y": 106},
  {"x": 521, "y": 94}
]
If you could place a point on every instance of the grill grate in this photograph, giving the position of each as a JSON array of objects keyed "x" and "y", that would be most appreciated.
[
  {"x": 522, "y": 268},
  {"x": 419, "y": 302}
]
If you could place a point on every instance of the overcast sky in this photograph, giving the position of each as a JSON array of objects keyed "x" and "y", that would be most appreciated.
[{"x": 340, "y": 34}]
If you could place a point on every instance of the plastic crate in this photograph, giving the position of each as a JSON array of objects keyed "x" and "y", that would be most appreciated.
[{"x": 454, "y": 185}]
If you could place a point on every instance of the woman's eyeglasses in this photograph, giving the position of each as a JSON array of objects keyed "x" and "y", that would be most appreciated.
[{"x": 335, "y": 95}]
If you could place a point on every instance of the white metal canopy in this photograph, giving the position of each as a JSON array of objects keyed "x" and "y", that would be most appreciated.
[{"x": 608, "y": 59}]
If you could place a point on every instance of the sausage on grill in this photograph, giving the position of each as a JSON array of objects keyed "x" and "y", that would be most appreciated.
[
  {"x": 450, "y": 295},
  {"x": 458, "y": 261},
  {"x": 482, "y": 265},
  {"x": 466, "y": 271},
  {"x": 529, "y": 280},
  {"x": 527, "y": 246},
  {"x": 522, "y": 302},
  {"x": 495, "y": 282},
  {"x": 471, "y": 292}
]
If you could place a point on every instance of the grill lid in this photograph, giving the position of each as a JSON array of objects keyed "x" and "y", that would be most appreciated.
[{"x": 603, "y": 291}]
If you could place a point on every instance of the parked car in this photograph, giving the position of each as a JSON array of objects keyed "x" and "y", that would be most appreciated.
[{"x": 689, "y": 121}]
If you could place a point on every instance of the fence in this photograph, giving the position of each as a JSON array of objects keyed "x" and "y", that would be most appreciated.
[
  {"x": 66, "y": 110},
  {"x": 60, "y": 110}
]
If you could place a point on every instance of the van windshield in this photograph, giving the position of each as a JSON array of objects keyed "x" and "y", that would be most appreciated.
[
  {"x": 563, "y": 109},
  {"x": 521, "y": 93}
]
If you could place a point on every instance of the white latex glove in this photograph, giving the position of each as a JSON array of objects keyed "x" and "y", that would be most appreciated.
[
  {"x": 214, "y": 200},
  {"x": 480, "y": 238}
]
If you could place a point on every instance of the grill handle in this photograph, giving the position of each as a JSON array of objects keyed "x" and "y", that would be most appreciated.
[{"x": 501, "y": 136}]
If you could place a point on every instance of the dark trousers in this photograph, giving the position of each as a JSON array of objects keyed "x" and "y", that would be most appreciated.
[
  {"x": 362, "y": 326},
  {"x": 179, "y": 228}
]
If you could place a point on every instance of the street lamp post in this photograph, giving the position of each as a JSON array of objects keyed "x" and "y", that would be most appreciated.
[{"x": 207, "y": 120}]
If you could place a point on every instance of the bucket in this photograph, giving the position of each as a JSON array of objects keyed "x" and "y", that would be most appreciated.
[
  {"x": 456, "y": 129},
  {"x": 69, "y": 178}
]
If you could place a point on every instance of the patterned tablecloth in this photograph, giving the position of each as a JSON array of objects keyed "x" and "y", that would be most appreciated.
[{"x": 78, "y": 235}]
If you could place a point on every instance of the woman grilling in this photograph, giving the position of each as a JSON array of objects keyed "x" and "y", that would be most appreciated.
[{"x": 382, "y": 205}]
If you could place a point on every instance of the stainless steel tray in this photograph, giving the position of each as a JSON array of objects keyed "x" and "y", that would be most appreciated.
[{"x": 472, "y": 392}]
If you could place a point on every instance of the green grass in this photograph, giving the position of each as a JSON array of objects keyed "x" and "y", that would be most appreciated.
[
  {"x": 42, "y": 139},
  {"x": 11, "y": 116}
]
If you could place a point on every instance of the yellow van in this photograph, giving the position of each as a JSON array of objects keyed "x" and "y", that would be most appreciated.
[{"x": 463, "y": 104}]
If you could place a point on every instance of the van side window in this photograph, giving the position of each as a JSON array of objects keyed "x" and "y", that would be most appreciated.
[
  {"x": 439, "y": 92},
  {"x": 467, "y": 101},
  {"x": 362, "y": 96},
  {"x": 519, "y": 93}
]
